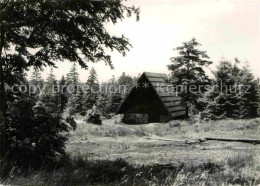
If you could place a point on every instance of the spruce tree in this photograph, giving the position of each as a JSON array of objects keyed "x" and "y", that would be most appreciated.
[
  {"x": 187, "y": 70},
  {"x": 79, "y": 104},
  {"x": 73, "y": 83},
  {"x": 93, "y": 89},
  {"x": 258, "y": 94},
  {"x": 73, "y": 75},
  {"x": 72, "y": 79},
  {"x": 112, "y": 80},
  {"x": 71, "y": 106},
  {"x": 114, "y": 102},
  {"x": 102, "y": 102},
  {"x": 50, "y": 86},
  {"x": 234, "y": 93},
  {"x": 37, "y": 82},
  {"x": 114, "y": 96},
  {"x": 127, "y": 83},
  {"x": 62, "y": 94},
  {"x": 36, "y": 77},
  {"x": 76, "y": 104},
  {"x": 249, "y": 94},
  {"x": 125, "y": 80},
  {"x": 49, "y": 95}
]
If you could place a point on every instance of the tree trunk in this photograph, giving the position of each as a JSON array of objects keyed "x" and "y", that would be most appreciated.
[{"x": 3, "y": 104}]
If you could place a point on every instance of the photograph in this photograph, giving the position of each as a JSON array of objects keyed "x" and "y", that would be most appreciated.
[{"x": 130, "y": 92}]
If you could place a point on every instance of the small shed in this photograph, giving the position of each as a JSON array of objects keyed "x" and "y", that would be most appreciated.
[{"x": 153, "y": 99}]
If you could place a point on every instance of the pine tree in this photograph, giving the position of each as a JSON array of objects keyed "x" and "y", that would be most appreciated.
[
  {"x": 50, "y": 87},
  {"x": 51, "y": 78},
  {"x": 187, "y": 70},
  {"x": 92, "y": 79},
  {"x": 72, "y": 79},
  {"x": 112, "y": 80},
  {"x": 234, "y": 94},
  {"x": 93, "y": 89},
  {"x": 73, "y": 75},
  {"x": 249, "y": 93},
  {"x": 258, "y": 85},
  {"x": 62, "y": 94},
  {"x": 36, "y": 78},
  {"x": 125, "y": 80},
  {"x": 102, "y": 104},
  {"x": 115, "y": 95},
  {"x": 71, "y": 106},
  {"x": 114, "y": 101},
  {"x": 79, "y": 104},
  {"x": 49, "y": 95},
  {"x": 127, "y": 83},
  {"x": 36, "y": 81}
]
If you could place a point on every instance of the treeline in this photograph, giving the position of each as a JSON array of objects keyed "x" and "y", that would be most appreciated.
[
  {"x": 70, "y": 95},
  {"x": 232, "y": 92}
]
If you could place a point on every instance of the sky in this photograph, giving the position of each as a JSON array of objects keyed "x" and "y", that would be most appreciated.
[{"x": 225, "y": 29}]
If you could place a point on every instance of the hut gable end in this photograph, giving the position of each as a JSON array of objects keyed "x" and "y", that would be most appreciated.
[{"x": 154, "y": 96}]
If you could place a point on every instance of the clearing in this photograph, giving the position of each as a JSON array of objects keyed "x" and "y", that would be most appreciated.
[{"x": 165, "y": 143}]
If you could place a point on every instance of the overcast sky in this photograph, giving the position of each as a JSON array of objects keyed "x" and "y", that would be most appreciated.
[{"x": 225, "y": 28}]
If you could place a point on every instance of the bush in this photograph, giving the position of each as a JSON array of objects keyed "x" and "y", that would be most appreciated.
[
  {"x": 93, "y": 116},
  {"x": 34, "y": 136}
]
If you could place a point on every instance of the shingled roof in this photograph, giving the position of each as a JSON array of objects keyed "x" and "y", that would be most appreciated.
[{"x": 164, "y": 90}]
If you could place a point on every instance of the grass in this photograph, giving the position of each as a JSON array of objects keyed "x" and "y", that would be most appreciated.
[
  {"x": 118, "y": 154},
  {"x": 190, "y": 128},
  {"x": 81, "y": 171}
]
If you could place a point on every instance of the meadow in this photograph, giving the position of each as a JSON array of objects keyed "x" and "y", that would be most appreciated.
[{"x": 156, "y": 154}]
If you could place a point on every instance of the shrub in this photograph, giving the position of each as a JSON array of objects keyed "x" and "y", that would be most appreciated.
[
  {"x": 34, "y": 136},
  {"x": 93, "y": 116}
]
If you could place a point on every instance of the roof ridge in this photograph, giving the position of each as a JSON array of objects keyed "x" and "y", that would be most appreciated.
[{"x": 154, "y": 73}]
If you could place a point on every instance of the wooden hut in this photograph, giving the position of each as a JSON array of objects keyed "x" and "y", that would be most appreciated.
[{"x": 152, "y": 100}]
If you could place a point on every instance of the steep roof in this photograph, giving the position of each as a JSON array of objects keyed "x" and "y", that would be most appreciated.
[
  {"x": 168, "y": 96},
  {"x": 165, "y": 92}
]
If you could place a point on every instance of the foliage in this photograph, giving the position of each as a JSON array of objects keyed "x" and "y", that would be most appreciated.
[
  {"x": 93, "y": 89},
  {"x": 93, "y": 116},
  {"x": 37, "y": 137},
  {"x": 187, "y": 71},
  {"x": 50, "y": 87},
  {"x": 76, "y": 103},
  {"x": 72, "y": 77},
  {"x": 72, "y": 30},
  {"x": 80, "y": 107},
  {"x": 127, "y": 82},
  {"x": 258, "y": 94},
  {"x": 115, "y": 99},
  {"x": 233, "y": 94},
  {"x": 36, "y": 81},
  {"x": 62, "y": 94},
  {"x": 102, "y": 104},
  {"x": 75, "y": 94}
]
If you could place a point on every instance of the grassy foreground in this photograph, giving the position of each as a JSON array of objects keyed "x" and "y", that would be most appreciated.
[{"x": 155, "y": 154}]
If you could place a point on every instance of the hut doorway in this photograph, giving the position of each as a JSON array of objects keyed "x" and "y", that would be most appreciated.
[{"x": 152, "y": 118}]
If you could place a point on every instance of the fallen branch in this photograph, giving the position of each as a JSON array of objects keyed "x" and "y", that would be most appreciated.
[
  {"x": 235, "y": 140},
  {"x": 163, "y": 139},
  {"x": 175, "y": 140}
]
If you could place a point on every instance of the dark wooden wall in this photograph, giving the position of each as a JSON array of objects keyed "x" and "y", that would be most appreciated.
[{"x": 144, "y": 101}]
